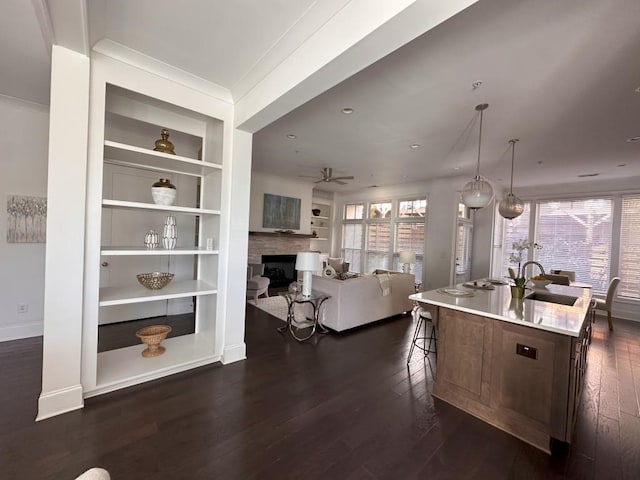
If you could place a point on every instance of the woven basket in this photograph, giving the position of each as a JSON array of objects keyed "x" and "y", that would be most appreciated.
[
  {"x": 154, "y": 280},
  {"x": 152, "y": 336}
]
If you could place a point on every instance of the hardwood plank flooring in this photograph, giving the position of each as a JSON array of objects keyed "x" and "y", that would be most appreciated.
[{"x": 344, "y": 407}]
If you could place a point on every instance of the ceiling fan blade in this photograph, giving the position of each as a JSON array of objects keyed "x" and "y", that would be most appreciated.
[
  {"x": 307, "y": 176},
  {"x": 339, "y": 182},
  {"x": 320, "y": 181},
  {"x": 350, "y": 177}
]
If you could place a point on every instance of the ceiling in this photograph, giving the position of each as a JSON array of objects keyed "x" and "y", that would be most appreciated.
[{"x": 560, "y": 76}]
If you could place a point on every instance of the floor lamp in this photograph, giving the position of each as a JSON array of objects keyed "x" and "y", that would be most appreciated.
[{"x": 307, "y": 263}]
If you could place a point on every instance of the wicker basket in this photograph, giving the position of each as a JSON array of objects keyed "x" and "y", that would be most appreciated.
[
  {"x": 154, "y": 280},
  {"x": 152, "y": 336}
]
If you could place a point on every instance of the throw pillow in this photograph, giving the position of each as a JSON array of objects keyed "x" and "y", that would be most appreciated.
[{"x": 337, "y": 264}]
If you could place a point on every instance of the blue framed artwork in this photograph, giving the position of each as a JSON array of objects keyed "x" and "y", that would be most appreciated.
[{"x": 281, "y": 212}]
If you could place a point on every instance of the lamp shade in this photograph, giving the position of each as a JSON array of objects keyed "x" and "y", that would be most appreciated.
[
  {"x": 511, "y": 207},
  {"x": 478, "y": 193},
  {"x": 308, "y": 261},
  {"x": 407, "y": 256}
]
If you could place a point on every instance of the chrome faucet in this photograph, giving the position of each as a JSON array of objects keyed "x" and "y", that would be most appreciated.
[{"x": 524, "y": 266}]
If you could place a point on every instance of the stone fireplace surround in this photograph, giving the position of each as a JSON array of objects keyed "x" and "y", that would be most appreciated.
[{"x": 270, "y": 243}]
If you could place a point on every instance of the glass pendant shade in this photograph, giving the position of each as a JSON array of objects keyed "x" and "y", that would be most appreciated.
[
  {"x": 511, "y": 207},
  {"x": 478, "y": 193}
]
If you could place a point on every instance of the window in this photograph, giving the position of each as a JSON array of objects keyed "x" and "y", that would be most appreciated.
[
  {"x": 410, "y": 233},
  {"x": 629, "y": 266},
  {"x": 352, "y": 235},
  {"x": 576, "y": 235},
  {"x": 390, "y": 226},
  {"x": 378, "y": 250}
]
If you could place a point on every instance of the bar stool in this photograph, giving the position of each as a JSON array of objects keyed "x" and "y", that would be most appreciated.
[{"x": 422, "y": 316}]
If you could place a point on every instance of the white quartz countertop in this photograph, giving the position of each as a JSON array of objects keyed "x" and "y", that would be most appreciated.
[{"x": 499, "y": 304}]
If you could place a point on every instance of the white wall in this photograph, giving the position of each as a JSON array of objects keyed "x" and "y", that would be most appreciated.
[
  {"x": 262, "y": 183},
  {"x": 24, "y": 130}
]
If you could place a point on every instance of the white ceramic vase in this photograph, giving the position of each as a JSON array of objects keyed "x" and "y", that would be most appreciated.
[
  {"x": 170, "y": 233},
  {"x": 163, "y": 192},
  {"x": 151, "y": 239}
]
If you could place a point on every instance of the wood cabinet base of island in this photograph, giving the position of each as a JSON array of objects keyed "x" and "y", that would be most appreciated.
[{"x": 522, "y": 380}]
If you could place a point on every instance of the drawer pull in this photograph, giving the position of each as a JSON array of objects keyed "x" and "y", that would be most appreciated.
[{"x": 526, "y": 351}]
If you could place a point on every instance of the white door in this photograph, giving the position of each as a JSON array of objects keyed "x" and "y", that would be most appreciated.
[{"x": 463, "y": 251}]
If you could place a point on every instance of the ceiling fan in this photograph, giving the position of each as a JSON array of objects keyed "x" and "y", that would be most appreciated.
[{"x": 327, "y": 177}]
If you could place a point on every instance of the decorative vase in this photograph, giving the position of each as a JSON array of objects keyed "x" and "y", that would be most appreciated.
[
  {"x": 163, "y": 192},
  {"x": 163, "y": 144},
  {"x": 151, "y": 239},
  {"x": 170, "y": 233},
  {"x": 517, "y": 292}
]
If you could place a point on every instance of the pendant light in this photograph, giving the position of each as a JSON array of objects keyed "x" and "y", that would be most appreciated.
[
  {"x": 511, "y": 206},
  {"x": 478, "y": 192}
]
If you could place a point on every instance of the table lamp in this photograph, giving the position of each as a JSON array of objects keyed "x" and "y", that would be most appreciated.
[
  {"x": 406, "y": 259},
  {"x": 307, "y": 263}
]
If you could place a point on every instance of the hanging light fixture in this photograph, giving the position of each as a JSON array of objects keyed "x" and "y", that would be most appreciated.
[
  {"x": 511, "y": 206},
  {"x": 478, "y": 192}
]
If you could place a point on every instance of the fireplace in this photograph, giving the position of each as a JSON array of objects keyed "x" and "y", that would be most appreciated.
[{"x": 280, "y": 269}]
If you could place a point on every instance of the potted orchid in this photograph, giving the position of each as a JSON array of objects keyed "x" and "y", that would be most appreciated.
[{"x": 517, "y": 256}]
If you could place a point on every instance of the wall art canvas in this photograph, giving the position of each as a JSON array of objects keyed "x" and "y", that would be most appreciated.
[
  {"x": 281, "y": 212},
  {"x": 26, "y": 219}
]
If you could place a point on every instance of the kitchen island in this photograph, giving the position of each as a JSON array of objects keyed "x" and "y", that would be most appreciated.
[{"x": 517, "y": 364}]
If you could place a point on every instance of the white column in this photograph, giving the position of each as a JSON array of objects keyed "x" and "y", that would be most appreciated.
[
  {"x": 235, "y": 201},
  {"x": 68, "y": 130}
]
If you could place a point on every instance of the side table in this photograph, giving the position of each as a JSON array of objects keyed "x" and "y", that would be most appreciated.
[{"x": 316, "y": 299}]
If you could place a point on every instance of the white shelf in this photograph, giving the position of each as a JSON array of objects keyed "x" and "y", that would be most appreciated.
[
  {"x": 163, "y": 208},
  {"x": 126, "y": 366},
  {"x": 320, "y": 218},
  {"x": 129, "y": 155},
  {"x": 138, "y": 294},
  {"x": 156, "y": 251},
  {"x": 319, "y": 238}
]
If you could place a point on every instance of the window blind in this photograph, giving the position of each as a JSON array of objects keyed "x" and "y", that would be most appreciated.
[
  {"x": 629, "y": 266},
  {"x": 576, "y": 235},
  {"x": 352, "y": 245},
  {"x": 514, "y": 231}
]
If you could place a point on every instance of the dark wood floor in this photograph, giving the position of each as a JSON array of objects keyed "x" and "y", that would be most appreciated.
[{"x": 345, "y": 407}]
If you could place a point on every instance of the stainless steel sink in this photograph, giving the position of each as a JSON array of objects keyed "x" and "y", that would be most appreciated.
[{"x": 552, "y": 298}]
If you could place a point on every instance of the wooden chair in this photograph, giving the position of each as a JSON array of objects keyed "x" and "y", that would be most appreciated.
[
  {"x": 607, "y": 303},
  {"x": 569, "y": 273}
]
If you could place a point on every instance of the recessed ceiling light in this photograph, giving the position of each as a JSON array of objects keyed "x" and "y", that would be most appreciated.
[
  {"x": 456, "y": 168},
  {"x": 415, "y": 145},
  {"x": 637, "y": 89},
  {"x": 347, "y": 110},
  {"x": 588, "y": 175},
  {"x": 291, "y": 136},
  {"x": 633, "y": 139}
]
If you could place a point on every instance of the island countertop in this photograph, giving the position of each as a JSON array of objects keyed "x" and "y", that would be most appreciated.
[{"x": 498, "y": 304}]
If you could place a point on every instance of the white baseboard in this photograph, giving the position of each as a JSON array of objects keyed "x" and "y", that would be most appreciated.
[
  {"x": 16, "y": 331},
  {"x": 60, "y": 401},
  {"x": 234, "y": 353}
]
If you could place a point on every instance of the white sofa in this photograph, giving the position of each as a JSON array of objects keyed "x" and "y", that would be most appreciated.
[{"x": 358, "y": 301}]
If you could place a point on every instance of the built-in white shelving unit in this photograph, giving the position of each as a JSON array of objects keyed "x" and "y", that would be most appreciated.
[
  {"x": 321, "y": 225},
  {"x": 122, "y": 165}
]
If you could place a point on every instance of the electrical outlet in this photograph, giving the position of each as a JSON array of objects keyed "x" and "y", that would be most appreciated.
[{"x": 23, "y": 308}]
